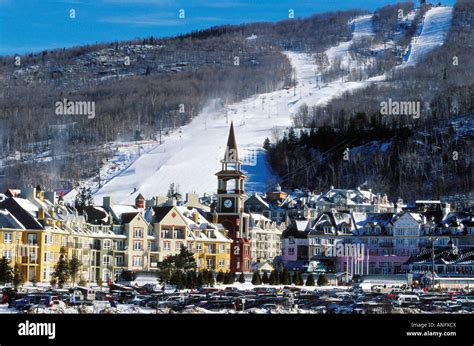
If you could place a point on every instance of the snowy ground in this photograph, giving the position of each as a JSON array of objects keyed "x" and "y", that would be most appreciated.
[
  {"x": 190, "y": 157},
  {"x": 435, "y": 27}
]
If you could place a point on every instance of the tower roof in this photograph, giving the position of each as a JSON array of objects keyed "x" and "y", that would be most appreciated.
[
  {"x": 231, "y": 153},
  {"x": 140, "y": 197}
]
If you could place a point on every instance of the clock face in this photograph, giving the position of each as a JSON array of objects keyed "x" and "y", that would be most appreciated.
[{"x": 228, "y": 203}]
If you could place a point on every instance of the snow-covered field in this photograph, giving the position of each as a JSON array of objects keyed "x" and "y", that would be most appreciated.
[{"x": 190, "y": 157}]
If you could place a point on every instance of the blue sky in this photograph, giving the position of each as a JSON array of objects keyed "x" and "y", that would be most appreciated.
[{"x": 34, "y": 25}]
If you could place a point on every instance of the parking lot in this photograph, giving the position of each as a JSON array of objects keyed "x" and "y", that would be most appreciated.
[{"x": 283, "y": 299}]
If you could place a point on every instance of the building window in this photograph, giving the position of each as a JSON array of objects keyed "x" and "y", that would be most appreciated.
[
  {"x": 107, "y": 244},
  {"x": 119, "y": 245},
  {"x": 167, "y": 245},
  {"x": 48, "y": 239},
  {"x": 178, "y": 234},
  {"x": 198, "y": 247},
  {"x": 63, "y": 241},
  {"x": 7, "y": 237},
  {"x": 7, "y": 254},
  {"x": 291, "y": 251},
  {"x": 48, "y": 256},
  {"x": 166, "y": 233},
  {"x": 119, "y": 261},
  {"x": 137, "y": 261},
  {"x": 190, "y": 246},
  {"x": 178, "y": 245},
  {"x": 106, "y": 260},
  {"x": 138, "y": 232},
  {"x": 210, "y": 263},
  {"x": 32, "y": 240},
  {"x": 137, "y": 245},
  {"x": 221, "y": 248},
  {"x": 221, "y": 263}
]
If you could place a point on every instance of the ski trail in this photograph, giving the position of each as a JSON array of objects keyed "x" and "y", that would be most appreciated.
[{"x": 190, "y": 158}]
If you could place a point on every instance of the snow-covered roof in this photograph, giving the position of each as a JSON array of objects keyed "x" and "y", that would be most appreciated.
[{"x": 7, "y": 220}]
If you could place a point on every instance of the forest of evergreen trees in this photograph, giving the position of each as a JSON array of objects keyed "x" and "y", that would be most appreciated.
[{"x": 430, "y": 157}]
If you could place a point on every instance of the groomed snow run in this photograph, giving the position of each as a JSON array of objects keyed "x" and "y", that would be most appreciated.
[
  {"x": 435, "y": 28},
  {"x": 190, "y": 157}
]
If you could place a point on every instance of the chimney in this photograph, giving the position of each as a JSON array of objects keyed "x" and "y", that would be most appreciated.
[
  {"x": 192, "y": 200},
  {"x": 29, "y": 193},
  {"x": 196, "y": 217},
  {"x": 41, "y": 215},
  {"x": 107, "y": 202},
  {"x": 215, "y": 218},
  {"x": 50, "y": 196}
]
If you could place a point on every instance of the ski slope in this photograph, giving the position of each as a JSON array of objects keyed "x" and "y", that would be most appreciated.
[
  {"x": 436, "y": 25},
  {"x": 190, "y": 158}
]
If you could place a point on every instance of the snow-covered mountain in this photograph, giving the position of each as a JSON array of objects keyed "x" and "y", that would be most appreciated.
[{"x": 190, "y": 157}]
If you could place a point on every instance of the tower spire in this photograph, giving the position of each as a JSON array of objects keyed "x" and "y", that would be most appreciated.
[{"x": 231, "y": 153}]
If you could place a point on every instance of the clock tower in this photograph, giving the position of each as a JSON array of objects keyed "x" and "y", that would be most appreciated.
[{"x": 230, "y": 205}]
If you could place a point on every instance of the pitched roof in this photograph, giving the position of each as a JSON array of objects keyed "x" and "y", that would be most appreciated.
[
  {"x": 161, "y": 212},
  {"x": 7, "y": 220},
  {"x": 23, "y": 211},
  {"x": 95, "y": 215},
  {"x": 128, "y": 217}
]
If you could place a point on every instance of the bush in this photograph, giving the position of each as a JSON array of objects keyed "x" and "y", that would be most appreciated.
[
  {"x": 265, "y": 278},
  {"x": 322, "y": 280},
  {"x": 274, "y": 278},
  {"x": 256, "y": 279},
  {"x": 310, "y": 280},
  {"x": 241, "y": 278},
  {"x": 220, "y": 277},
  {"x": 285, "y": 277}
]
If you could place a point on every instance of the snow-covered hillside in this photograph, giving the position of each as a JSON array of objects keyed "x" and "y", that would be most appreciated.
[
  {"x": 435, "y": 27},
  {"x": 191, "y": 156}
]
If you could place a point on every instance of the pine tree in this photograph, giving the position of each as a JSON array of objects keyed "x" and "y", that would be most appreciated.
[
  {"x": 17, "y": 279},
  {"x": 228, "y": 279},
  {"x": 265, "y": 278},
  {"x": 212, "y": 279},
  {"x": 242, "y": 278},
  {"x": 294, "y": 278},
  {"x": 61, "y": 270},
  {"x": 276, "y": 277},
  {"x": 266, "y": 144},
  {"x": 299, "y": 278},
  {"x": 256, "y": 279},
  {"x": 285, "y": 277},
  {"x": 184, "y": 279},
  {"x": 73, "y": 266},
  {"x": 191, "y": 279},
  {"x": 220, "y": 278},
  {"x": 271, "y": 279},
  {"x": 6, "y": 272},
  {"x": 205, "y": 277},
  {"x": 200, "y": 280},
  {"x": 310, "y": 280},
  {"x": 185, "y": 259},
  {"x": 322, "y": 280}
]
